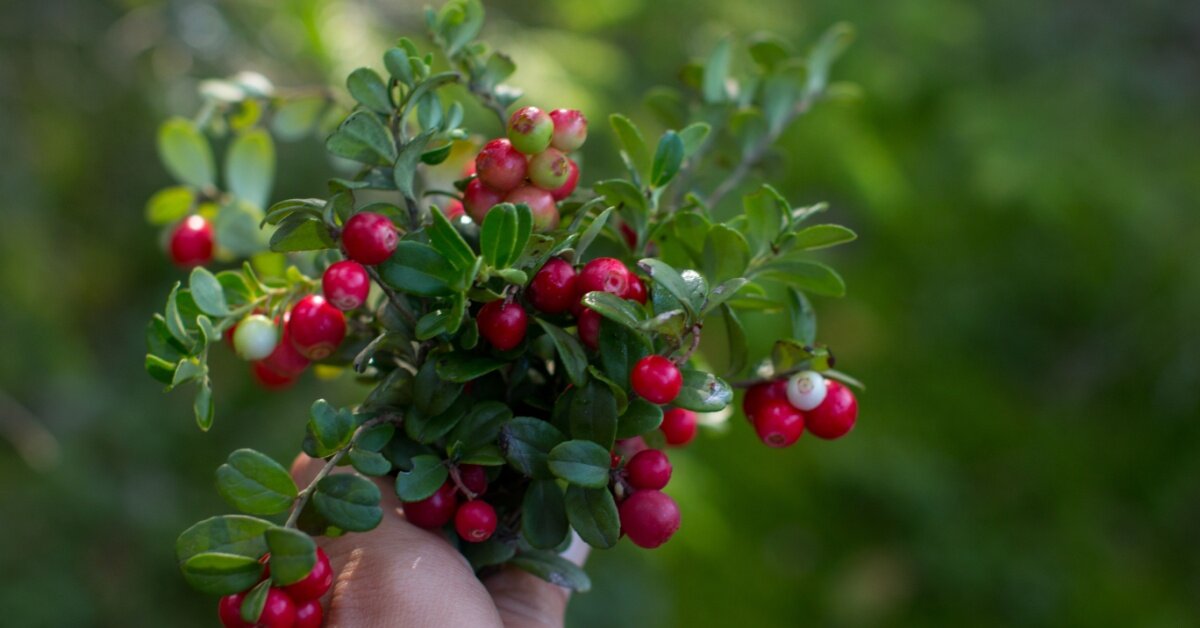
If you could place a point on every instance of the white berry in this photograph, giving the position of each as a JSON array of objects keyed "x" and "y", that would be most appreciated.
[
  {"x": 255, "y": 337},
  {"x": 806, "y": 390}
]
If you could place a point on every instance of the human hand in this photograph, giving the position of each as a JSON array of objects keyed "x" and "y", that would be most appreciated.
[{"x": 399, "y": 575}]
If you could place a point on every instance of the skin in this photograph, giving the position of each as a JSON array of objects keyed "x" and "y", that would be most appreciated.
[{"x": 401, "y": 575}]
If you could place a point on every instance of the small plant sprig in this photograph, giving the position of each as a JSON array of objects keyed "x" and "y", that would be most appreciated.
[{"x": 528, "y": 345}]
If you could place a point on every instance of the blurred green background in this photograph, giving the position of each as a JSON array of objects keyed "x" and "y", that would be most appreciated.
[{"x": 1024, "y": 306}]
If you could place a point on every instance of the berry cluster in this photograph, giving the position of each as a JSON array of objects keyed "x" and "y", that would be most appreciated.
[
  {"x": 781, "y": 409},
  {"x": 530, "y": 166},
  {"x": 297, "y": 605},
  {"x": 474, "y": 519}
]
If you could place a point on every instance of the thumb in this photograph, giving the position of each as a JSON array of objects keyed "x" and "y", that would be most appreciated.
[{"x": 523, "y": 599}]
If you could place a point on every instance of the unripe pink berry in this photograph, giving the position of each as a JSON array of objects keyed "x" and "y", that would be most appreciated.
[
  {"x": 570, "y": 129},
  {"x": 679, "y": 426},
  {"x": 778, "y": 424},
  {"x": 549, "y": 169},
  {"x": 837, "y": 413},
  {"x": 192, "y": 242},
  {"x": 478, "y": 198},
  {"x": 345, "y": 284},
  {"x": 530, "y": 130},
  {"x": 806, "y": 390},
  {"x": 502, "y": 324},
  {"x": 656, "y": 379},
  {"x": 316, "y": 327},
  {"x": 553, "y": 287},
  {"x": 475, "y": 521},
  {"x": 540, "y": 202},
  {"x": 255, "y": 337},
  {"x": 649, "y": 518},
  {"x": 454, "y": 210},
  {"x": 565, "y": 190},
  {"x": 369, "y": 238},
  {"x": 501, "y": 166},
  {"x": 649, "y": 469}
]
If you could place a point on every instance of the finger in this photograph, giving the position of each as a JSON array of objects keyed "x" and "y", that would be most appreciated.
[{"x": 523, "y": 599}]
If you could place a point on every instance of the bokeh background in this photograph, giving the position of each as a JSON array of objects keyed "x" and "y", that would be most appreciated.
[{"x": 1024, "y": 305}]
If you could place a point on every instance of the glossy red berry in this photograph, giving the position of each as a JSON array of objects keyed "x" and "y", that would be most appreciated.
[
  {"x": 541, "y": 204},
  {"x": 778, "y": 424},
  {"x": 255, "y": 337},
  {"x": 604, "y": 274},
  {"x": 268, "y": 378},
  {"x": 369, "y": 238},
  {"x": 434, "y": 511},
  {"x": 316, "y": 328},
  {"x": 502, "y": 324},
  {"x": 760, "y": 394},
  {"x": 345, "y": 284},
  {"x": 836, "y": 414},
  {"x": 565, "y": 190},
  {"x": 549, "y": 169},
  {"x": 649, "y": 518},
  {"x": 192, "y": 242},
  {"x": 478, "y": 198},
  {"x": 454, "y": 210},
  {"x": 649, "y": 469},
  {"x": 530, "y": 130},
  {"x": 631, "y": 446},
  {"x": 570, "y": 129},
  {"x": 278, "y": 612},
  {"x": 474, "y": 478},
  {"x": 285, "y": 360},
  {"x": 309, "y": 614},
  {"x": 589, "y": 328},
  {"x": 316, "y": 583},
  {"x": 656, "y": 379},
  {"x": 679, "y": 426},
  {"x": 475, "y": 521},
  {"x": 553, "y": 287},
  {"x": 637, "y": 289},
  {"x": 500, "y": 166}
]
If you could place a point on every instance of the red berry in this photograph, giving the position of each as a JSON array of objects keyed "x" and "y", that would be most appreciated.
[
  {"x": 434, "y": 511},
  {"x": 478, "y": 198},
  {"x": 192, "y": 242},
  {"x": 553, "y": 287},
  {"x": 530, "y": 129},
  {"x": 285, "y": 360},
  {"x": 778, "y": 424},
  {"x": 346, "y": 284},
  {"x": 369, "y": 238},
  {"x": 500, "y": 166},
  {"x": 549, "y": 169},
  {"x": 278, "y": 612},
  {"x": 629, "y": 235},
  {"x": 475, "y": 521},
  {"x": 589, "y": 328},
  {"x": 614, "y": 460},
  {"x": 564, "y": 190},
  {"x": 570, "y": 129},
  {"x": 316, "y": 327},
  {"x": 474, "y": 478},
  {"x": 649, "y": 469},
  {"x": 316, "y": 583},
  {"x": 631, "y": 446},
  {"x": 268, "y": 378},
  {"x": 649, "y": 518},
  {"x": 454, "y": 210},
  {"x": 468, "y": 168},
  {"x": 502, "y": 324},
  {"x": 637, "y": 289},
  {"x": 309, "y": 614},
  {"x": 836, "y": 414},
  {"x": 760, "y": 394},
  {"x": 679, "y": 426},
  {"x": 656, "y": 379},
  {"x": 540, "y": 202},
  {"x": 604, "y": 274}
]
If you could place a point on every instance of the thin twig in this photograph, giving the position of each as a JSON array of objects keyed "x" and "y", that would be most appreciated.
[
  {"x": 757, "y": 152},
  {"x": 393, "y": 297},
  {"x": 303, "y": 497}
]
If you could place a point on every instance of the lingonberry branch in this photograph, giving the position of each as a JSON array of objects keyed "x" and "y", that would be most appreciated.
[
  {"x": 758, "y": 151},
  {"x": 331, "y": 463},
  {"x": 456, "y": 477}
]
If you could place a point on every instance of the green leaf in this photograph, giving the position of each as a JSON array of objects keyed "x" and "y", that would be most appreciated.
[
  {"x": 675, "y": 283},
  {"x": 427, "y": 475},
  {"x": 331, "y": 427},
  {"x": 293, "y": 555},
  {"x": 255, "y": 601},
  {"x": 639, "y": 417},
  {"x": 255, "y": 484},
  {"x": 301, "y": 233},
  {"x": 693, "y": 136},
  {"x": 724, "y": 292},
  {"x": 821, "y": 236},
  {"x": 375, "y": 437},
  {"x": 827, "y": 49},
  {"x": 464, "y": 367},
  {"x": 458, "y": 23},
  {"x": 202, "y": 406},
  {"x": 554, "y": 569},
  {"x": 480, "y": 426},
  {"x": 434, "y": 395},
  {"x": 228, "y": 534},
  {"x": 297, "y": 118},
  {"x": 804, "y": 318},
  {"x": 405, "y": 169},
  {"x": 207, "y": 292},
  {"x": 593, "y": 413},
  {"x": 185, "y": 152},
  {"x": 716, "y": 71},
  {"x": 788, "y": 355},
  {"x": 769, "y": 50},
  {"x": 735, "y": 335},
  {"x": 369, "y": 462},
  {"x": 350, "y": 502},
  {"x": 703, "y": 392},
  {"x": 580, "y": 462},
  {"x": 526, "y": 443},
  {"x": 419, "y": 269},
  {"x": 766, "y": 215},
  {"x": 632, "y": 142},
  {"x": 438, "y": 322},
  {"x": 397, "y": 64},
  {"x": 221, "y": 574},
  {"x": 362, "y": 137},
  {"x": 614, "y": 308},
  {"x": 544, "y": 515},
  {"x": 170, "y": 204},
  {"x": 726, "y": 253},
  {"x": 805, "y": 275},
  {"x": 498, "y": 238},
  {"x": 570, "y": 352},
  {"x": 449, "y": 242},
  {"x": 250, "y": 166},
  {"x": 368, "y": 89},
  {"x": 620, "y": 350},
  {"x": 237, "y": 229},
  {"x": 667, "y": 159},
  {"x": 593, "y": 514},
  {"x": 160, "y": 369},
  {"x": 670, "y": 323},
  {"x": 593, "y": 230},
  {"x": 188, "y": 370},
  {"x": 490, "y": 552}
]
